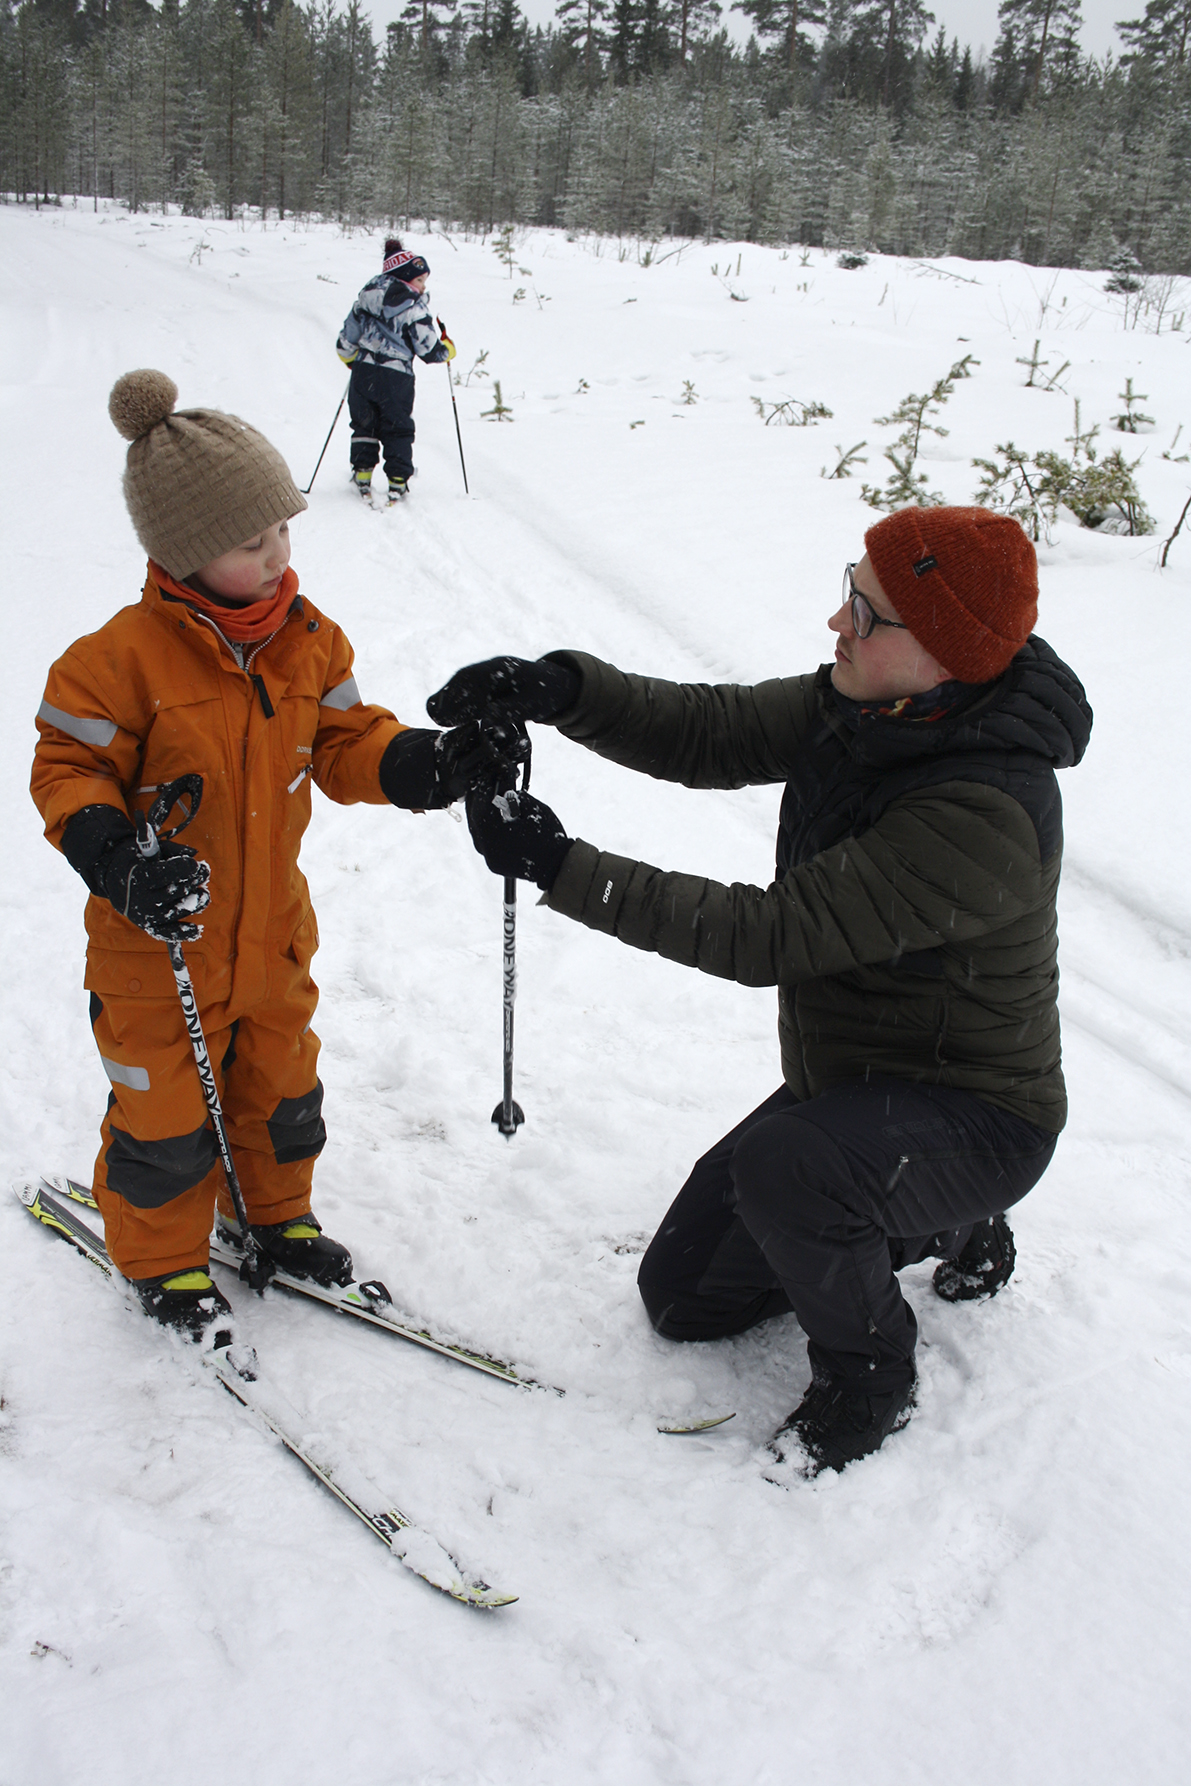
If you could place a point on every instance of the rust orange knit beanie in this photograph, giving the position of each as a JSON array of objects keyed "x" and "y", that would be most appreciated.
[
  {"x": 965, "y": 582},
  {"x": 197, "y": 483}
]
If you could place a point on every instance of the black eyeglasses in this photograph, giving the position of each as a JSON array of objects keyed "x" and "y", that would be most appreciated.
[{"x": 863, "y": 618}]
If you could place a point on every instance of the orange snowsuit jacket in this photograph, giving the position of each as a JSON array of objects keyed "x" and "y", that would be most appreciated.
[{"x": 156, "y": 693}]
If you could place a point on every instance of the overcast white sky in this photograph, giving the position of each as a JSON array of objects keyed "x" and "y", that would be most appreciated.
[{"x": 973, "y": 21}]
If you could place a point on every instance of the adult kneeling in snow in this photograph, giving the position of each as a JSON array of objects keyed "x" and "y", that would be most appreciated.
[{"x": 910, "y": 930}]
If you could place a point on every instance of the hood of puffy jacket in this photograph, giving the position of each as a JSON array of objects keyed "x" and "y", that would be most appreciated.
[{"x": 1038, "y": 706}]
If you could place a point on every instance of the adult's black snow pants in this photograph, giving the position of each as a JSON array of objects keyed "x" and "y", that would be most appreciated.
[
  {"x": 380, "y": 401},
  {"x": 814, "y": 1206}
]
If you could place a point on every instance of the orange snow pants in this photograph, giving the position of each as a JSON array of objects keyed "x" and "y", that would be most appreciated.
[{"x": 158, "y": 1174}]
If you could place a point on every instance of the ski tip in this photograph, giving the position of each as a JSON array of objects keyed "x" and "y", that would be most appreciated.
[
  {"x": 425, "y": 1557},
  {"x": 26, "y": 1189},
  {"x": 679, "y": 1427}
]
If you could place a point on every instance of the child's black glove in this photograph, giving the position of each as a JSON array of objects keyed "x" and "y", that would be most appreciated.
[
  {"x": 99, "y": 842},
  {"x": 517, "y": 835},
  {"x": 157, "y": 894},
  {"x": 513, "y": 687},
  {"x": 423, "y": 770}
]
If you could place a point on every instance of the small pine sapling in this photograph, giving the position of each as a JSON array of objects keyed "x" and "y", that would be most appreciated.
[
  {"x": 477, "y": 368},
  {"x": 1034, "y": 364},
  {"x": 906, "y": 487},
  {"x": 1182, "y": 458},
  {"x": 500, "y": 410},
  {"x": 502, "y": 247},
  {"x": 850, "y": 260},
  {"x": 1105, "y": 496},
  {"x": 1131, "y": 419},
  {"x": 1015, "y": 487},
  {"x": 963, "y": 368},
  {"x": 792, "y": 412},
  {"x": 845, "y": 461}
]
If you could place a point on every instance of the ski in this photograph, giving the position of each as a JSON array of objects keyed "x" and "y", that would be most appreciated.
[
  {"x": 371, "y": 1302},
  {"x": 705, "y": 1425},
  {"x": 234, "y": 1370}
]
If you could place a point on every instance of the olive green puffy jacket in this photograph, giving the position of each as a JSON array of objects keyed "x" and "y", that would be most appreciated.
[{"x": 911, "y": 927}]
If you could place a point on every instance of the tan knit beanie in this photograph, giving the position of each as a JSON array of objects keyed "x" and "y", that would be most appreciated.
[{"x": 197, "y": 482}]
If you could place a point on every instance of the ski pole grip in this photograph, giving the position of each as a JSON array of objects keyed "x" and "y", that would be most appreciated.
[{"x": 146, "y": 837}]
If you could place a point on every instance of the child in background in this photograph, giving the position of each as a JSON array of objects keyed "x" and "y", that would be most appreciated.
[
  {"x": 386, "y": 326},
  {"x": 223, "y": 669}
]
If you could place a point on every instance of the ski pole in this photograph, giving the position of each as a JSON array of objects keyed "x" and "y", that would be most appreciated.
[
  {"x": 455, "y": 407},
  {"x": 327, "y": 441},
  {"x": 508, "y": 1115},
  {"x": 255, "y": 1269}
]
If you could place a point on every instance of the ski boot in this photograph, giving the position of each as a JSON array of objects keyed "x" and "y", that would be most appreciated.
[
  {"x": 362, "y": 482},
  {"x": 298, "y": 1247},
  {"x": 398, "y": 488},
  {"x": 188, "y": 1302},
  {"x": 983, "y": 1267},
  {"x": 830, "y": 1428}
]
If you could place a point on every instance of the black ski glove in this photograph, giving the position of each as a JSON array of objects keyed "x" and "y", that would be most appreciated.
[
  {"x": 423, "y": 771},
  {"x": 159, "y": 892},
  {"x": 156, "y": 894},
  {"x": 505, "y": 687},
  {"x": 517, "y": 835}
]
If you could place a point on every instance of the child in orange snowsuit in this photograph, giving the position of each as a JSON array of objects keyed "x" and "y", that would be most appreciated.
[{"x": 224, "y": 670}]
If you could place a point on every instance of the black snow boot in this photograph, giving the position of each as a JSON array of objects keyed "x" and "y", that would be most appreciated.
[
  {"x": 983, "y": 1267},
  {"x": 188, "y": 1301},
  {"x": 831, "y": 1428},
  {"x": 298, "y": 1247}
]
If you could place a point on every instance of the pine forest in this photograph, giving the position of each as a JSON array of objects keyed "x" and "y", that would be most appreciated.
[{"x": 852, "y": 125}]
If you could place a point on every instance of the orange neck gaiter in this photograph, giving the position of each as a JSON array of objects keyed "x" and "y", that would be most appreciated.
[{"x": 249, "y": 624}]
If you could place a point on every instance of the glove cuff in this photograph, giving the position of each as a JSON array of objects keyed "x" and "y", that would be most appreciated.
[
  {"x": 90, "y": 836},
  {"x": 550, "y": 867},
  {"x": 563, "y": 685},
  {"x": 409, "y": 772}
]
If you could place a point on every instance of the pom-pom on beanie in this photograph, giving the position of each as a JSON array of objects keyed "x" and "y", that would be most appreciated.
[
  {"x": 965, "y": 582},
  {"x": 197, "y": 482}
]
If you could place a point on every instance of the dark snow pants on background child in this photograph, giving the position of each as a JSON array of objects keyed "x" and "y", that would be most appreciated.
[
  {"x": 813, "y": 1206},
  {"x": 380, "y": 402},
  {"x": 158, "y": 1173}
]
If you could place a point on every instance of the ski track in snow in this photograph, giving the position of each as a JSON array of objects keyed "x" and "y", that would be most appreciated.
[{"x": 1001, "y": 1594}]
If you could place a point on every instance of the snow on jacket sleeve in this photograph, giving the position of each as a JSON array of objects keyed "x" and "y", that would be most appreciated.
[
  {"x": 352, "y": 737},
  {"x": 945, "y": 865},
  {"x": 702, "y": 735},
  {"x": 87, "y": 751}
]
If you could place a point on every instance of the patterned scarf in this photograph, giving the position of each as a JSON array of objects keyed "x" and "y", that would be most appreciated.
[{"x": 924, "y": 709}]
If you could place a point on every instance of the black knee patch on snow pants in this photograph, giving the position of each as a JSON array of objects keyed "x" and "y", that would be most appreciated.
[
  {"x": 148, "y": 1174},
  {"x": 296, "y": 1127}
]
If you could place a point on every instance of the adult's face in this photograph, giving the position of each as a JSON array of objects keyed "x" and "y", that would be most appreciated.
[{"x": 890, "y": 662}]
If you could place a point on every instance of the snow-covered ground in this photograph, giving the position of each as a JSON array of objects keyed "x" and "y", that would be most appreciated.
[{"x": 1001, "y": 1594}]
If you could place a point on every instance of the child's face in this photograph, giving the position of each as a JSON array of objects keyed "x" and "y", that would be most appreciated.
[
  {"x": 418, "y": 284},
  {"x": 248, "y": 573}
]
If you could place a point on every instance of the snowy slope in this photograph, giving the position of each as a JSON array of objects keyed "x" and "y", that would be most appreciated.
[{"x": 1001, "y": 1594}]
